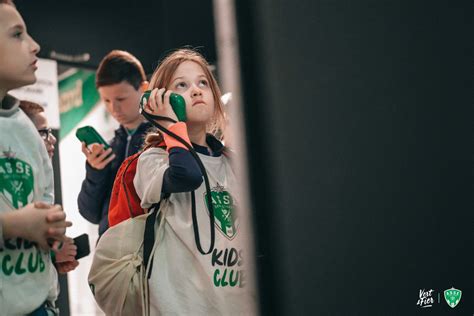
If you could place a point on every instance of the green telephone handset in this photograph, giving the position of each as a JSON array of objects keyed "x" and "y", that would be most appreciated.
[{"x": 177, "y": 103}]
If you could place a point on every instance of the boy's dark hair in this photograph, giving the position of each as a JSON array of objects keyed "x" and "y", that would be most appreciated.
[{"x": 118, "y": 66}]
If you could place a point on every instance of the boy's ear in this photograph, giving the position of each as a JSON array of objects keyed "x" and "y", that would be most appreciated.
[{"x": 144, "y": 86}]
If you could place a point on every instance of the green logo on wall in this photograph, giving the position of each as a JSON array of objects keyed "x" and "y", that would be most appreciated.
[
  {"x": 77, "y": 97},
  {"x": 16, "y": 180},
  {"x": 452, "y": 297},
  {"x": 223, "y": 211}
]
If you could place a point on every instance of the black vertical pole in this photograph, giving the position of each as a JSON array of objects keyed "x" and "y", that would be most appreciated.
[{"x": 63, "y": 299}]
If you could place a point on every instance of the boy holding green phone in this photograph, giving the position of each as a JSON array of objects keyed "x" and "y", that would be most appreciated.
[{"x": 120, "y": 80}]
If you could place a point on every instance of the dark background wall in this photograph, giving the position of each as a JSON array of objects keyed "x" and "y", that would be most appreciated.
[
  {"x": 147, "y": 28},
  {"x": 361, "y": 122}
]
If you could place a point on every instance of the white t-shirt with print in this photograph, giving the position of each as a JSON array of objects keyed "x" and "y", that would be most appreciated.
[
  {"x": 27, "y": 277},
  {"x": 183, "y": 281}
]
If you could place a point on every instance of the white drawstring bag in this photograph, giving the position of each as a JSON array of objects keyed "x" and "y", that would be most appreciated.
[{"x": 117, "y": 276}]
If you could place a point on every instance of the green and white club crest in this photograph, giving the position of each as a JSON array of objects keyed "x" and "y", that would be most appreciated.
[
  {"x": 452, "y": 297},
  {"x": 224, "y": 211},
  {"x": 16, "y": 180}
]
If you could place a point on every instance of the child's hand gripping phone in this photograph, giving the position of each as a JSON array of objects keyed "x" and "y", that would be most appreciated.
[
  {"x": 97, "y": 157},
  {"x": 89, "y": 136},
  {"x": 82, "y": 244},
  {"x": 177, "y": 103}
]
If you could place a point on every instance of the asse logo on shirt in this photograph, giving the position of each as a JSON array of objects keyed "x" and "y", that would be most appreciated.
[
  {"x": 223, "y": 204},
  {"x": 16, "y": 180}
]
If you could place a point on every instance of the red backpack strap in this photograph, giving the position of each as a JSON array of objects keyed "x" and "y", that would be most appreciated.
[
  {"x": 129, "y": 171},
  {"x": 124, "y": 201}
]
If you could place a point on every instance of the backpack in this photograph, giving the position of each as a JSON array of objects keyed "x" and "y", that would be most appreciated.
[
  {"x": 124, "y": 200},
  {"x": 122, "y": 263}
]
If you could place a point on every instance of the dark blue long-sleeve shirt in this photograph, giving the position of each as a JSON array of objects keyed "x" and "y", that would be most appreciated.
[{"x": 184, "y": 174}]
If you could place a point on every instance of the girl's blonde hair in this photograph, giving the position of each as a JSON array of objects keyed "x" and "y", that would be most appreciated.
[{"x": 162, "y": 76}]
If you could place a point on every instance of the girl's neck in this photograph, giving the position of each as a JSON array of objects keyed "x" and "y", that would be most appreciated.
[{"x": 197, "y": 135}]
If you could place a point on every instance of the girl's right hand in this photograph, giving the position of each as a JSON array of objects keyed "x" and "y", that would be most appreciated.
[{"x": 159, "y": 104}]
